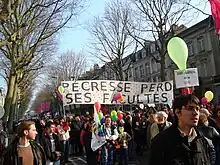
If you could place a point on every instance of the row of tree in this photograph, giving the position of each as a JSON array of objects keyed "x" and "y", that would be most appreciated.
[
  {"x": 28, "y": 31},
  {"x": 68, "y": 66}
]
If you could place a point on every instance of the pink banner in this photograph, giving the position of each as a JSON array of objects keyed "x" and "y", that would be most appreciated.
[{"x": 44, "y": 106}]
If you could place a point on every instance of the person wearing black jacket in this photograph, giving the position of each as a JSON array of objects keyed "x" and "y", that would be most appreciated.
[
  {"x": 52, "y": 147},
  {"x": 76, "y": 127},
  {"x": 210, "y": 133},
  {"x": 182, "y": 143},
  {"x": 24, "y": 150},
  {"x": 91, "y": 156},
  {"x": 128, "y": 129}
]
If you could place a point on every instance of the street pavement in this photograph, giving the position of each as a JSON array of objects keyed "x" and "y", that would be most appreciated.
[{"x": 141, "y": 160}]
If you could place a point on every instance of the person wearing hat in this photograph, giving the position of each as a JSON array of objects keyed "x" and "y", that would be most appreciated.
[
  {"x": 160, "y": 125},
  {"x": 182, "y": 143}
]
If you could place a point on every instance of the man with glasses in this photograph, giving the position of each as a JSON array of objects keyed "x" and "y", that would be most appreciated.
[{"x": 182, "y": 143}]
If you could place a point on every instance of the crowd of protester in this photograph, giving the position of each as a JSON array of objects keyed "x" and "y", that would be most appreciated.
[{"x": 187, "y": 134}]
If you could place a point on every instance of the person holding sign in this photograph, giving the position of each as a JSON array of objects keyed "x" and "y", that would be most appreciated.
[
  {"x": 182, "y": 143},
  {"x": 111, "y": 135}
]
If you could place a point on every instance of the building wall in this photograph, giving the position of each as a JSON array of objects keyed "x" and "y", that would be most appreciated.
[{"x": 204, "y": 51}]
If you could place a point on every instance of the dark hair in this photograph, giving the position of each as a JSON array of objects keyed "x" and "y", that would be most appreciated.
[
  {"x": 107, "y": 116},
  {"x": 183, "y": 100},
  {"x": 48, "y": 124}
]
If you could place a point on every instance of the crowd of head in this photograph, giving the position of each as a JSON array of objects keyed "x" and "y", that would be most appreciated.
[{"x": 128, "y": 137}]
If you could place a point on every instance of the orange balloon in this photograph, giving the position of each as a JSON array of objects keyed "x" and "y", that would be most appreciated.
[{"x": 121, "y": 99}]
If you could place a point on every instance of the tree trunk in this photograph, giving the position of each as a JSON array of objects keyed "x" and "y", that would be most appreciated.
[
  {"x": 162, "y": 68},
  {"x": 12, "y": 109},
  {"x": 162, "y": 62},
  {"x": 9, "y": 95}
]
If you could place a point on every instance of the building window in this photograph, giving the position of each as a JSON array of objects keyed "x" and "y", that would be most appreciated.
[
  {"x": 136, "y": 73},
  {"x": 201, "y": 44},
  {"x": 190, "y": 48},
  {"x": 147, "y": 68},
  {"x": 143, "y": 53},
  {"x": 139, "y": 55},
  {"x": 158, "y": 66},
  {"x": 203, "y": 68},
  {"x": 159, "y": 79},
  {"x": 129, "y": 73},
  {"x": 192, "y": 65},
  {"x": 148, "y": 79},
  {"x": 153, "y": 65},
  {"x": 152, "y": 48},
  {"x": 141, "y": 71}
]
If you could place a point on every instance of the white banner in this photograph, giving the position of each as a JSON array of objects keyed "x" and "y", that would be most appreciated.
[
  {"x": 187, "y": 78},
  {"x": 91, "y": 91},
  {"x": 97, "y": 141}
]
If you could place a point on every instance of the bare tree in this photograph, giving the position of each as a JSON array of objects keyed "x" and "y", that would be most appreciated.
[
  {"x": 68, "y": 66},
  {"x": 158, "y": 19},
  {"x": 110, "y": 38},
  {"x": 30, "y": 35}
]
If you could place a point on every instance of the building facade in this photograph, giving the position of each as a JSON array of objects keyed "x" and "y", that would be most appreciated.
[{"x": 204, "y": 54}]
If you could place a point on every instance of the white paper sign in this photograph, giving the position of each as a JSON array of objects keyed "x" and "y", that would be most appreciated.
[
  {"x": 187, "y": 78},
  {"x": 103, "y": 91}
]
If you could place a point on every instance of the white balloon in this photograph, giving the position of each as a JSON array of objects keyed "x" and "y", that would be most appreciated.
[{"x": 141, "y": 106}]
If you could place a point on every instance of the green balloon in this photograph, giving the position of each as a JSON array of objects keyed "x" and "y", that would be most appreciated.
[
  {"x": 113, "y": 112},
  {"x": 100, "y": 114},
  {"x": 61, "y": 89},
  {"x": 178, "y": 52},
  {"x": 114, "y": 117}
]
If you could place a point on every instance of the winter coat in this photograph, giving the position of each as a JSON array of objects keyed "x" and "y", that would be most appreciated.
[
  {"x": 46, "y": 143},
  {"x": 11, "y": 156},
  {"x": 155, "y": 130},
  {"x": 170, "y": 148}
]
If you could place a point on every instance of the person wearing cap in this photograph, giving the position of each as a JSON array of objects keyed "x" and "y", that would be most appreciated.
[
  {"x": 24, "y": 150},
  {"x": 182, "y": 143},
  {"x": 160, "y": 125}
]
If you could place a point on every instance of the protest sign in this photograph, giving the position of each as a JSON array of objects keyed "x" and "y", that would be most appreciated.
[
  {"x": 91, "y": 91},
  {"x": 186, "y": 78}
]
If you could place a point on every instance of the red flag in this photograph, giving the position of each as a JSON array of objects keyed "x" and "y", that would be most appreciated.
[
  {"x": 186, "y": 91},
  {"x": 215, "y": 7}
]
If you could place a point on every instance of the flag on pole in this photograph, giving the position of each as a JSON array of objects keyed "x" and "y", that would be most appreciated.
[
  {"x": 215, "y": 8},
  {"x": 98, "y": 136}
]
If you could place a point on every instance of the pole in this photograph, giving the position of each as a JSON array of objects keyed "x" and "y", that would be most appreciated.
[{"x": 64, "y": 111}]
